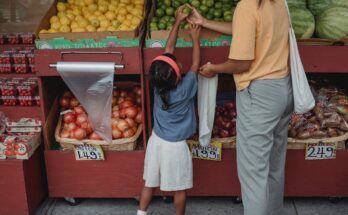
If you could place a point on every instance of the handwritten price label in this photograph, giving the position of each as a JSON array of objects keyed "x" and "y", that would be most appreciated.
[
  {"x": 88, "y": 152},
  {"x": 320, "y": 151},
  {"x": 212, "y": 152}
]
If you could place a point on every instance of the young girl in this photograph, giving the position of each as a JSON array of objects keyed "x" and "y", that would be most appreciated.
[{"x": 168, "y": 161}]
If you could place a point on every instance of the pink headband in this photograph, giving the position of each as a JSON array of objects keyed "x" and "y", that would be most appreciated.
[{"x": 172, "y": 63}]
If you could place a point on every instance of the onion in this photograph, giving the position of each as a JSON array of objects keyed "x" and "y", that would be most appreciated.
[
  {"x": 74, "y": 103},
  {"x": 232, "y": 114},
  {"x": 126, "y": 103},
  {"x": 64, "y": 102},
  {"x": 122, "y": 113},
  {"x": 227, "y": 125},
  {"x": 81, "y": 119},
  {"x": 128, "y": 133},
  {"x": 229, "y": 105},
  {"x": 139, "y": 117},
  {"x": 115, "y": 114},
  {"x": 116, "y": 133},
  {"x": 68, "y": 94},
  {"x": 69, "y": 117},
  {"x": 123, "y": 93},
  {"x": 116, "y": 107},
  {"x": 89, "y": 128},
  {"x": 223, "y": 133},
  {"x": 114, "y": 101},
  {"x": 120, "y": 100},
  {"x": 79, "y": 110},
  {"x": 115, "y": 93},
  {"x": 114, "y": 122},
  {"x": 131, "y": 122},
  {"x": 131, "y": 112},
  {"x": 94, "y": 136},
  {"x": 78, "y": 133},
  {"x": 71, "y": 126},
  {"x": 138, "y": 100},
  {"x": 232, "y": 132},
  {"x": 137, "y": 91},
  {"x": 122, "y": 125},
  {"x": 219, "y": 121},
  {"x": 135, "y": 129},
  {"x": 65, "y": 133}
]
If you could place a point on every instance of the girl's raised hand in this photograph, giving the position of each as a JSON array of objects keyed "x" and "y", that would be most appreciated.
[
  {"x": 195, "y": 31},
  {"x": 180, "y": 15},
  {"x": 195, "y": 18}
]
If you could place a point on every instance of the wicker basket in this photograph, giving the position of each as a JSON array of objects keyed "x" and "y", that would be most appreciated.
[
  {"x": 227, "y": 143},
  {"x": 301, "y": 144},
  {"x": 124, "y": 144}
]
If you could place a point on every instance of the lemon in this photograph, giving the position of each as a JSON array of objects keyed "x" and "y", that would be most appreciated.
[
  {"x": 61, "y": 14},
  {"x": 71, "y": 1},
  {"x": 138, "y": 2},
  {"x": 127, "y": 22},
  {"x": 111, "y": 7},
  {"x": 125, "y": 1},
  {"x": 122, "y": 11},
  {"x": 115, "y": 23},
  {"x": 103, "y": 8},
  {"x": 120, "y": 18},
  {"x": 95, "y": 22},
  {"x": 111, "y": 28},
  {"x": 101, "y": 29},
  {"x": 77, "y": 18},
  {"x": 70, "y": 16},
  {"x": 105, "y": 23},
  {"x": 64, "y": 28},
  {"x": 52, "y": 30},
  {"x": 77, "y": 11},
  {"x": 55, "y": 25},
  {"x": 64, "y": 20},
  {"x": 83, "y": 23},
  {"x": 114, "y": 2},
  {"x": 97, "y": 13},
  {"x": 79, "y": 29},
  {"x": 110, "y": 15},
  {"x": 88, "y": 2},
  {"x": 129, "y": 16},
  {"x": 92, "y": 7},
  {"x": 54, "y": 19},
  {"x": 129, "y": 8},
  {"x": 82, "y": 4},
  {"x": 69, "y": 11},
  {"x": 73, "y": 25},
  {"x": 61, "y": 6},
  {"x": 136, "y": 21},
  {"x": 91, "y": 28},
  {"x": 101, "y": 17},
  {"x": 139, "y": 7},
  {"x": 122, "y": 5},
  {"x": 123, "y": 28},
  {"x": 136, "y": 12},
  {"x": 43, "y": 31}
]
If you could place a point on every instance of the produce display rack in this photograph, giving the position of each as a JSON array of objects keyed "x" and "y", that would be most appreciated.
[
  {"x": 120, "y": 175},
  {"x": 302, "y": 177},
  {"x": 23, "y": 183}
]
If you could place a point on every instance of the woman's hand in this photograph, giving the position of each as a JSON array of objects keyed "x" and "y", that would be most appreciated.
[
  {"x": 196, "y": 18},
  {"x": 180, "y": 15},
  {"x": 195, "y": 31},
  {"x": 207, "y": 70}
]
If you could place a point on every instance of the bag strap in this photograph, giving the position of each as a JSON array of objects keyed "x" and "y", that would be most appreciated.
[{"x": 287, "y": 8}]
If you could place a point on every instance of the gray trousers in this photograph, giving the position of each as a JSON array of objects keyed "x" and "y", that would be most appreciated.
[{"x": 263, "y": 114}]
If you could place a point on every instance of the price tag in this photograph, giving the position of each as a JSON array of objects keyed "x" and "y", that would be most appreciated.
[
  {"x": 320, "y": 151},
  {"x": 88, "y": 152},
  {"x": 212, "y": 152}
]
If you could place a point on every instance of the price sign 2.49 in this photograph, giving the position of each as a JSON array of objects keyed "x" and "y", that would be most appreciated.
[
  {"x": 320, "y": 151},
  {"x": 88, "y": 152}
]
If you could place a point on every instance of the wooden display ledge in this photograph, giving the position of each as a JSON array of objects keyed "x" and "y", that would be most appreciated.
[
  {"x": 119, "y": 176},
  {"x": 22, "y": 184}
]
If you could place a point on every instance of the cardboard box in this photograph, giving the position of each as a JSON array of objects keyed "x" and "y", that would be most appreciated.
[
  {"x": 70, "y": 40},
  {"x": 158, "y": 39}
]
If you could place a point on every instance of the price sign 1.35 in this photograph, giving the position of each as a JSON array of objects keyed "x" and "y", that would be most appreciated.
[
  {"x": 320, "y": 151},
  {"x": 88, "y": 152},
  {"x": 211, "y": 152}
]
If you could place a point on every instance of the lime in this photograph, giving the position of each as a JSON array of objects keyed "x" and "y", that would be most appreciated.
[
  {"x": 183, "y": 1},
  {"x": 172, "y": 20},
  {"x": 165, "y": 19},
  {"x": 228, "y": 18},
  {"x": 163, "y": 6},
  {"x": 211, "y": 10},
  {"x": 203, "y": 8},
  {"x": 204, "y": 2},
  {"x": 155, "y": 19},
  {"x": 170, "y": 11},
  {"x": 167, "y": 2},
  {"x": 187, "y": 9},
  {"x": 226, "y": 1},
  {"x": 176, "y": 4},
  {"x": 169, "y": 27},
  {"x": 153, "y": 28},
  {"x": 162, "y": 25},
  {"x": 153, "y": 25},
  {"x": 218, "y": 5},
  {"x": 159, "y": 12},
  {"x": 187, "y": 26},
  {"x": 227, "y": 13},
  {"x": 217, "y": 13},
  {"x": 210, "y": 3},
  {"x": 195, "y": 3},
  {"x": 210, "y": 16}
]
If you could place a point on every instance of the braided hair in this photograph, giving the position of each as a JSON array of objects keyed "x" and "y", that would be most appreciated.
[{"x": 163, "y": 78}]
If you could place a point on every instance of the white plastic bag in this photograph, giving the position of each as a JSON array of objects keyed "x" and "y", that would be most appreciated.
[
  {"x": 92, "y": 84},
  {"x": 207, "y": 88},
  {"x": 303, "y": 97}
]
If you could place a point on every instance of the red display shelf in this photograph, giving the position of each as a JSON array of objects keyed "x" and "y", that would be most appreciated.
[
  {"x": 131, "y": 59},
  {"x": 22, "y": 185},
  {"x": 119, "y": 175}
]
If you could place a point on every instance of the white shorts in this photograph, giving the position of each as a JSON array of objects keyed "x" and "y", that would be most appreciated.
[{"x": 168, "y": 165}]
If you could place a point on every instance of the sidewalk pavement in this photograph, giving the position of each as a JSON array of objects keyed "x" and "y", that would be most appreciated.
[{"x": 195, "y": 206}]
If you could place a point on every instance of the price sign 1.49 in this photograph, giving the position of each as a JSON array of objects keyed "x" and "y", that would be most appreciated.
[
  {"x": 211, "y": 152},
  {"x": 88, "y": 152},
  {"x": 320, "y": 151}
]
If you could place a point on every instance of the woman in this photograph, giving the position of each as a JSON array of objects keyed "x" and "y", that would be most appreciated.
[{"x": 258, "y": 60}]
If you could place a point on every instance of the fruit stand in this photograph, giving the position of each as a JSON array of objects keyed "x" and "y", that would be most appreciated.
[{"x": 96, "y": 39}]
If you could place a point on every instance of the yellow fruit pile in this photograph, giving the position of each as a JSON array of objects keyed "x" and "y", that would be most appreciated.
[{"x": 96, "y": 15}]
